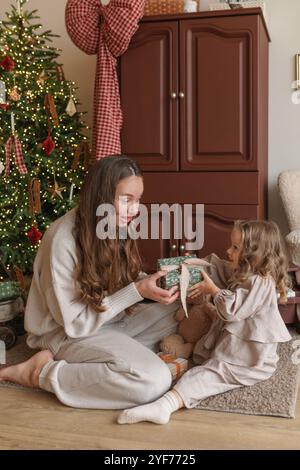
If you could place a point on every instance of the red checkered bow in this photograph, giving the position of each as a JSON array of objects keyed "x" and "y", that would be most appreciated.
[{"x": 14, "y": 145}]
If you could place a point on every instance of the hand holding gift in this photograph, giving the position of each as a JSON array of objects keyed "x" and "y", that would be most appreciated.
[
  {"x": 205, "y": 287},
  {"x": 184, "y": 271},
  {"x": 147, "y": 288}
]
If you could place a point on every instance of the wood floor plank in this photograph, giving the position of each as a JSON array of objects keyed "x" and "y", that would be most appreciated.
[{"x": 36, "y": 420}]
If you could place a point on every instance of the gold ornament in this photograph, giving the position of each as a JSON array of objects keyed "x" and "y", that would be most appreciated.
[
  {"x": 2, "y": 167},
  {"x": 42, "y": 78},
  {"x": 14, "y": 94},
  {"x": 71, "y": 107},
  {"x": 55, "y": 190}
]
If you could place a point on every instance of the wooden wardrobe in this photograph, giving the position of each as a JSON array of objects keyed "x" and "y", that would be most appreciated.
[{"x": 194, "y": 93}]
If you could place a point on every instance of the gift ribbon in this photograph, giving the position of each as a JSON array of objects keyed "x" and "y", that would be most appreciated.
[
  {"x": 169, "y": 359},
  {"x": 184, "y": 278}
]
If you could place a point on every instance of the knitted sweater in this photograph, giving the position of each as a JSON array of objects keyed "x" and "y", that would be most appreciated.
[{"x": 52, "y": 311}]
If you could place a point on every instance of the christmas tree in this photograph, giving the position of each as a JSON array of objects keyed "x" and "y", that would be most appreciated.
[{"x": 43, "y": 151}]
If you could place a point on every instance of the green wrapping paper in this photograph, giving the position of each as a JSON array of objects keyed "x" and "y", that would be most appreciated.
[
  {"x": 184, "y": 271},
  {"x": 172, "y": 278},
  {"x": 9, "y": 290}
]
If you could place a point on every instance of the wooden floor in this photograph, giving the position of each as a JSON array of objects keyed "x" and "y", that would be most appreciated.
[{"x": 36, "y": 420}]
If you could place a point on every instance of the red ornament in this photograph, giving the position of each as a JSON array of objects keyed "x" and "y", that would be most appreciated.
[
  {"x": 4, "y": 106},
  {"x": 34, "y": 235},
  {"x": 48, "y": 145},
  {"x": 7, "y": 63}
]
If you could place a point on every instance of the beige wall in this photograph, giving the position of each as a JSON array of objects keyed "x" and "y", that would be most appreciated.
[{"x": 284, "y": 135}]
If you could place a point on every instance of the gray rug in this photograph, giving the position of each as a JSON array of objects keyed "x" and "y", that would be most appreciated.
[{"x": 274, "y": 397}]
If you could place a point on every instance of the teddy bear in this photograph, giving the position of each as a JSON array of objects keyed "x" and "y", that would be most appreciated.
[{"x": 189, "y": 330}]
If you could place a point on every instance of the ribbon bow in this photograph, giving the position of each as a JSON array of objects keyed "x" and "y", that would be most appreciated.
[
  {"x": 179, "y": 363},
  {"x": 13, "y": 144},
  {"x": 184, "y": 277}
]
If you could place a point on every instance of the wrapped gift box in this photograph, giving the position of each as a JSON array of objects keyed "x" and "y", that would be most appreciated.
[
  {"x": 177, "y": 365},
  {"x": 172, "y": 278}
]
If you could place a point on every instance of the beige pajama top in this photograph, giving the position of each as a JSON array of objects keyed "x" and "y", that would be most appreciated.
[{"x": 248, "y": 317}]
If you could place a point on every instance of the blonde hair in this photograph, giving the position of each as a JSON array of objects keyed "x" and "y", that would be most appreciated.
[{"x": 262, "y": 252}]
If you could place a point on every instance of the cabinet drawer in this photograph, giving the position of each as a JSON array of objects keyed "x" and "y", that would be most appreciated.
[{"x": 202, "y": 188}]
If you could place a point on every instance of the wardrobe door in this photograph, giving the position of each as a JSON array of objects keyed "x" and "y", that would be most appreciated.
[
  {"x": 218, "y": 90},
  {"x": 149, "y": 97}
]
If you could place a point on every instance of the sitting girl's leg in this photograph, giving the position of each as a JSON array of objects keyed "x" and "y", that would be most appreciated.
[
  {"x": 27, "y": 373},
  {"x": 106, "y": 371},
  {"x": 200, "y": 382},
  {"x": 157, "y": 412}
]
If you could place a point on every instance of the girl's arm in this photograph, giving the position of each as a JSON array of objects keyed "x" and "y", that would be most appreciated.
[
  {"x": 244, "y": 302},
  {"x": 220, "y": 270},
  {"x": 238, "y": 304},
  {"x": 76, "y": 317},
  {"x": 117, "y": 21}
]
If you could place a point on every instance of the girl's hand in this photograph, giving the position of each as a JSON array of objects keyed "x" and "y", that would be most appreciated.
[
  {"x": 207, "y": 286},
  {"x": 148, "y": 289}
]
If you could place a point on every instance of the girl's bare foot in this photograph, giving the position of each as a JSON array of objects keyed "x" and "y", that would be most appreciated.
[{"x": 27, "y": 373}]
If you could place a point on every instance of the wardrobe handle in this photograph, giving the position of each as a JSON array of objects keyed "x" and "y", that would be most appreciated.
[
  {"x": 174, "y": 95},
  {"x": 181, "y": 95}
]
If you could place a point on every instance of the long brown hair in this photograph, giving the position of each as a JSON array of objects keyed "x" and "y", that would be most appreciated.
[
  {"x": 104, "y": 266},
  {"x": 262, "y": 252}
]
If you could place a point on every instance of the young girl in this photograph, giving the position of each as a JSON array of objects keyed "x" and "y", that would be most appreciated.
[
  {"x": 84, "y": 308},
  {"x": 240, "y": 347}
]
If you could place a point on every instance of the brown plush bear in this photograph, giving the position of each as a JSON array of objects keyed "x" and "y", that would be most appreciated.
[{"x": 189, "y": 330}]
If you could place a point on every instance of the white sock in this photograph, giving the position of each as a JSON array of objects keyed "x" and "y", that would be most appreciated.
[{"x": 157, "y": 412}]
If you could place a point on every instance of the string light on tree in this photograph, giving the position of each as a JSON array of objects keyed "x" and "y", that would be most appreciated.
[{"x": 38, "y": 137}]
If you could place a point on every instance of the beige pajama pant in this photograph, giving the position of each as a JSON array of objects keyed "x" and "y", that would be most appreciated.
[
  {"x": 213, "y": 375},
  {"x": 118, "y": 367}
]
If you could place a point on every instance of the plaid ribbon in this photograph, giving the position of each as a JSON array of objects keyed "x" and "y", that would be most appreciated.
[
  {"x": 82, "y": 149},
  {"x": 60, "y": 73},
  {"x": 14, "y": 145},
  {"x": 50, "y": 107}
]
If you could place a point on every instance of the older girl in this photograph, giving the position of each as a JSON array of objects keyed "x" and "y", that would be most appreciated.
[{"x": 85, "y": 308}]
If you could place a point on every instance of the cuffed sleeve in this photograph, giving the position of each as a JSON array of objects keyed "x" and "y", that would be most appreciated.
[
  {"x": 76, "y": 317},
  {"x": 243, "y": 302},
  {"x": 229, "y": 304},
  {"x": 80, "y": 320},
  {"x": 251, "y": 311}
]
